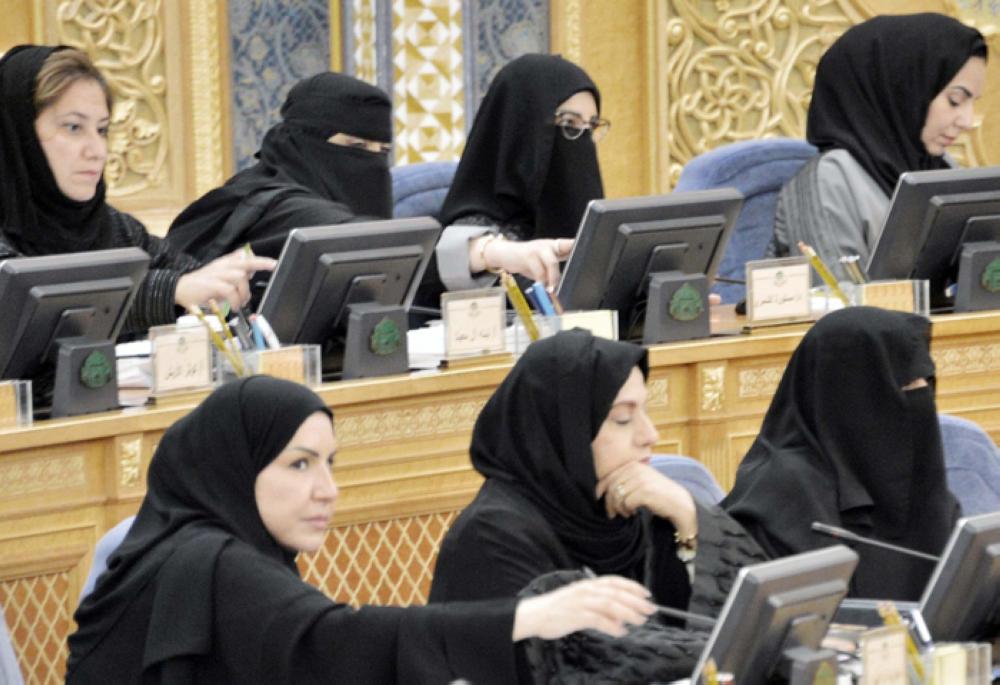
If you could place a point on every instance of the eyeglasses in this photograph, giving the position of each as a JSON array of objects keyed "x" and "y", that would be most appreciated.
[
  {"x": 573, "y": 126},
  {"x": 347, "y": 140}
]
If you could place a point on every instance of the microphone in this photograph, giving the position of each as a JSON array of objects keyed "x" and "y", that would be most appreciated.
[
  {"x": 843, "y": 534},
  {"x": 692, "y": 618}
]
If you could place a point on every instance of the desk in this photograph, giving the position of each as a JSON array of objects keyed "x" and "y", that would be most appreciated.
[{"x": 402, "y": 468}]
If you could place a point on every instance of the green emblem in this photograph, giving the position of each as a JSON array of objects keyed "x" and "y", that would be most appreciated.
[
  {"x": 990, "y": 279},
  {"x": 96, "y": 371},
  {"x": 686, "y": 303},
  {"x": 385, "y": 337},
  {"x": 825, "y": 675}
]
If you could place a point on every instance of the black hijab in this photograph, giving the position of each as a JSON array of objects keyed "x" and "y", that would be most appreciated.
[
  {"x": 200, "y": 493},
  {"x": 322, "y": 183},
  {"x": 842, "y": 443},
  {"x": 35, "y": 216},
  {"x": 874, "y": 85},
  {"x": 517, "y": 168},
  {"x": 535, "y": 432}
]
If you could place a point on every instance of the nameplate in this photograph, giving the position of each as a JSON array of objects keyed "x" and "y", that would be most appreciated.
[
  {"x": 883, "y": 656},
  {"x": 778, "y": 290},
  {"x": 287, "y": 363},
  {"x": 181, "y": 358},
  {"x": 474, "y": 322},
  {"x": 15, "y": 404},
  {"x": 602, "y": 323},
  {"x": 900, "y": 296}
]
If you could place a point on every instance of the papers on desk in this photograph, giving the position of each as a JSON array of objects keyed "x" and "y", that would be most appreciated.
[{"x": 135, "y": 372}]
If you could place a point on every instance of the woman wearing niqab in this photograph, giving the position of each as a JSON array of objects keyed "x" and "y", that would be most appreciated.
[
  {"x": 851, "y": 439},
  {"x": 889, "y": 96},
  {"x": 301, "y": 178}
]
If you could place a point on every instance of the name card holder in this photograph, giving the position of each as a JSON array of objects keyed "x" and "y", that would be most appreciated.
[
  {"x": 474, "y": 322},
  {"x": 912, "y": 297},
  {"x": 778, "y": 291},
  {"x": 15, "y": 404},
  {"x": 883, "y": 656},
  {"x": 181, "y": 358},
  {"x": 296, "y": 363},
  {"x": 602, "y": 323}
]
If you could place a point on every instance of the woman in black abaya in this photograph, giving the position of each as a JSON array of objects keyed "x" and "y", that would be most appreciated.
[
  {"x": 851, "y": 439},
  {"x": 890, "y": 96},
  {"x": 528, "y": 170},
  {"x": 204, "y": 588},
  {"x": 326, "y": 162}
]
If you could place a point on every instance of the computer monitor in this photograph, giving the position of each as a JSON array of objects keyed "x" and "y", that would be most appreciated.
[
  {"x": 324, "y": 269},
  {"x": 76, "y": 295},
  {"x": 622, "y": 242},
  {"x": 962, "y": 598},
  {"x": 776, "y": 606},
  {"x": 932, "y": 214}
]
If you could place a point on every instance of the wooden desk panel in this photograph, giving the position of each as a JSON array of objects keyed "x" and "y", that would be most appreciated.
[{"x": 402, "y": 468}]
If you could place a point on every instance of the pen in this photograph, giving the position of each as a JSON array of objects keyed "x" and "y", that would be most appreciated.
[
  {"x": 217, "y": 341},
  {"x": 890, "y": 617},
  {"x": 556, "y": 303},
  {"x": 214, "y": 306},
  {"x": 850, "y": 263},
  {"x": 520, "y": 305},
  {"x": 265, "y": 328},
  {"x": 823, "y": 271},
  {"x": 542, "y": 297},
  {"x": 258, "y": 337}
]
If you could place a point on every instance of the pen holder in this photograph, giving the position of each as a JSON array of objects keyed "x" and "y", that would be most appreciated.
[
  {"x": 296, "y": 363},
  {"x": 911, "y": 296},
  {"x": 15, "y": 404},
  {"x": 602, "y": 323}
]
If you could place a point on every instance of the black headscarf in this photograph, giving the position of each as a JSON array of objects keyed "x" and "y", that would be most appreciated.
[
  {"x": 535, "y": 433},
  {"x": 318, "y": 182},
  {"x": 200, "y": 492},
  {"x": 517, "y": 168},
  {"x": 874, "y": 85},
  {"x": 842, "y": 443},
  {"x": 35, "y": 216}
]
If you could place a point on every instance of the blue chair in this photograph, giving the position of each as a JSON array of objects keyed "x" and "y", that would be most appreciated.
[
  {"x": 105, "y": 548},
  {"x": 758, "y": 169},
  {"x": 690, "y": 473},
  {"x": 972, "y": 465},
  {"x": 419, "y": 189},
  {"x": 10, "y": 670}
]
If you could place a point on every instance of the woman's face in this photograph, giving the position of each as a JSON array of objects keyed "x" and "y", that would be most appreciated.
[
  {"x": 579, "y": 109},
  {"x": 73, "y": 132},
  {"x": 627, "y": 434},
  {"x": 951, "y": 112},
  {"x": 295, "y": 493}
]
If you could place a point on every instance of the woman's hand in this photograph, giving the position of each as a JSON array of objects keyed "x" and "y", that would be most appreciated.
[
  {"x": 226, "y": 278},
  {"x": 606, "y": 604},
  {"x": 534, "y": 259},
  {"x": 637, "y": 484}
]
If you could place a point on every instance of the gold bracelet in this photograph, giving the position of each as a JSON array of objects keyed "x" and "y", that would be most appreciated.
[{"x": 482, "y": 251}]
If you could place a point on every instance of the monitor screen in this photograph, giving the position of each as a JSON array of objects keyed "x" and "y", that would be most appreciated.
[
  {"x": 775, "y": 606},
  {"x": 324, "y": 269},
  {"x": 622, "y": 242},
  {"x": 962, "y": 599},
  {"x": 932, "y": 214},
  {"x": 76, "y": 295}
]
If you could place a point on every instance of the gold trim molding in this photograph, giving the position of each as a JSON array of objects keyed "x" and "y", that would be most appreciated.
[
  {"x": 713, "y": 382},
  {"x": 41, "y": 475},
  {"x": 207, "y": 130},
  {"x": 130, "y": 461},
  {"x": 973, "y": 359},
  {"x": 760, "y": 382},
  {"x": 424, "y": 420}
]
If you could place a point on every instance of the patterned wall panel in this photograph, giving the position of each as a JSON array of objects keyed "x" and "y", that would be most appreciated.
[
  {"x": 127, "y": 45},
  {"x": 427, "y": 79},
  {"x": 274, "y": 44},
  {"x": 38, "y": 617},
  {"x": 495, "y": 32}
]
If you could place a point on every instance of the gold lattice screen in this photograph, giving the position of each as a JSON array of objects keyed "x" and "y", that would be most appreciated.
[{"x": 38, "y": 620}]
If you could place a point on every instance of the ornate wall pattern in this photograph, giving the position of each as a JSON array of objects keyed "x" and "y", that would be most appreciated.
[
  {"x": 126, "y": 41},
  {"x": 274, "y": 43}
]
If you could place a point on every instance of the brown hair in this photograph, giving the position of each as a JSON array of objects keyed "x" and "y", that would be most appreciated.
[{"x": 61, "y": 70}]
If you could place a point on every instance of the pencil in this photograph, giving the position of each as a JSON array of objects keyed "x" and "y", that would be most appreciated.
[
  {"x": 824, "y": 272},
  {"x": 214, "y": 306},
  {"x": 520, "y": 305},
  {"x": 217, "y": 341}
]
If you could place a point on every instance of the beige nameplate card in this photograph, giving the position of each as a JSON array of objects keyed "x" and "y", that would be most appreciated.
[
  {"x": 181, "y": 358},
  {"x": 895, "y": 295},
  {"x": 474, "y": 322},
  {"x": 883, "y": 656},
  {"x": 948, "y": 665},
  {"x": 602, "y": 323},
  {"x": 778, "y": 290},
  {"x": 15, "y": 404},
  {"x": 287, "y": 363}
]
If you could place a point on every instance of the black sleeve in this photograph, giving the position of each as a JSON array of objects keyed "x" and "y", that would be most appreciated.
[{"x": 154, "y": 300}]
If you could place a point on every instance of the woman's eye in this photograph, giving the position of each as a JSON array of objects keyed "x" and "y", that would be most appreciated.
[
  {"x": 72, "y": 127},
  {"x": 103, "y": 131},
  {"x": 300, "y": 464},
  {"x": 622, "y": 420}
]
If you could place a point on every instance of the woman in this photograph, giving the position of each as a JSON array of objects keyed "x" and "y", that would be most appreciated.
[
  {"x": 890, "y": 96},
  {"x": 527, "y": 173},
  {"x": 851, "y": 439},
  {"x": 564, "y": 444},
  {"x": 54, "y": 114},
  {"x": 326, "y": 162},
  {"x": 204, "y": 589}
]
